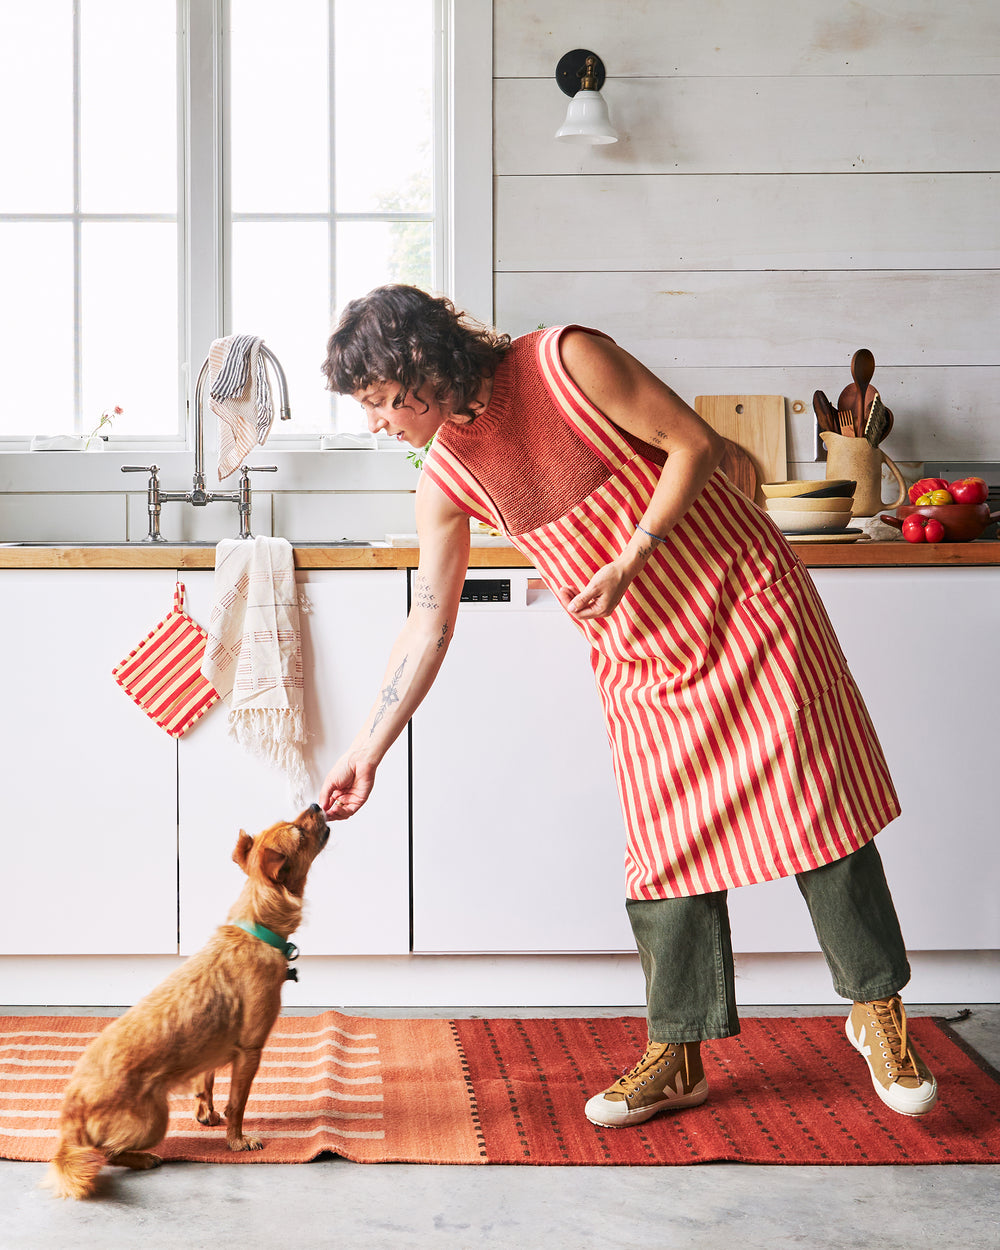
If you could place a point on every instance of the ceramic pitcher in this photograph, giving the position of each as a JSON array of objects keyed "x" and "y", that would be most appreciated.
[{"x": 858, "y": 461}]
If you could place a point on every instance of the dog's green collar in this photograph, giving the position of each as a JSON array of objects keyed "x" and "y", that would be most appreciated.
[{"x": 288, "y": 949}]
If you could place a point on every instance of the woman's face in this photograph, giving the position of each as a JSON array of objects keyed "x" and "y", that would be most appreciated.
[{"x": 415, "y": 421}]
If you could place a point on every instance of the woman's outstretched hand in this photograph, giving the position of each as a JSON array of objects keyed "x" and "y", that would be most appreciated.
[{"x": 346, "y": 788}]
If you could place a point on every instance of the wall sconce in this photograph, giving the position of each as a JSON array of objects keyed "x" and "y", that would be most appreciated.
[{"x": 580, "y": 74}]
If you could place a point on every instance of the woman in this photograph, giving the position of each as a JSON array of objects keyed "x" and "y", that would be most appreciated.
[{"x": 742, "y": 749}]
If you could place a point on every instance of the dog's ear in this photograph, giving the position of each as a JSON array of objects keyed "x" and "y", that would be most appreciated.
[
  {"x": 272, "y": 863},
  {"x": 241, "y": 853}
]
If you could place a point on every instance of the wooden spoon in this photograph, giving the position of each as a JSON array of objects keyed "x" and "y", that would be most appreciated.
[
  {"x": 862, "y": 369},
  {"x": 826, "y": 414}
]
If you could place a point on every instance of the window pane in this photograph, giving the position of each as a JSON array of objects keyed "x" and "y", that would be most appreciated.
[
  {"x": 128, "y": 106},
  {"x": 36, "y": 328},
  {"x": 279, "y": 76},
  {"x": 372, "y": 252},
  {"x": 36, "y": 103},
  {"x": 129, "y": 325},
  {"x": 384, "y": 54},
  {"x": 281, "y": 291}
]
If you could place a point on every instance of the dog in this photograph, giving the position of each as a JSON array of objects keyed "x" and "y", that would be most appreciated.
[{"x": 217, "y": 1009}]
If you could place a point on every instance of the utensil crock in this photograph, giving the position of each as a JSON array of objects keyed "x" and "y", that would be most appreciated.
[{"x": 857, "y": 459}]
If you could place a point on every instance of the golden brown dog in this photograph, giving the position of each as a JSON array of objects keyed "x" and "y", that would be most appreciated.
[{"x": 217, "y": 1009}]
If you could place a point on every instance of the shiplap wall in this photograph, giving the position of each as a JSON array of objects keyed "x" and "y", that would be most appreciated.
[{"x": 794, "y": 179}]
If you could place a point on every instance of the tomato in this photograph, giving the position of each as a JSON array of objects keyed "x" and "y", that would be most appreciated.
[
  {"x": 914, "y": 526},
  {"x": 969, "y": 490},
  {"x": 939, "y": 497},
  {"x": 933, "y": 530},
  {"x": 924, "y": 487}
]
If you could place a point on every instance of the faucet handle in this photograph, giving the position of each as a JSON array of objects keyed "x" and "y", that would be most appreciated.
[
  {"x": 141, "y": 468},
  {"x": 258, "y": 468}
]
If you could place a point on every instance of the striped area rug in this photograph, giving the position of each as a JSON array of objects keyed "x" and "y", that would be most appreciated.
[{"x": 786, "y": 1091}]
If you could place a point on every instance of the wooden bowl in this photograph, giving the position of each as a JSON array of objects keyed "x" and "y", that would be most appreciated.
[
  {"x": 788, "y": 490},
  {"x": 807, "y": 503},
  {"x": 962, "y": 521}
]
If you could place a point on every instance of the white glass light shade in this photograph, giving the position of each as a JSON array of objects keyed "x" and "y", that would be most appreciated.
[{"x": 587, "y": 120}]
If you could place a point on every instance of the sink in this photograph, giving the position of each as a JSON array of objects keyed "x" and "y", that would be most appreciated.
[{"x": 183, "y": 542}]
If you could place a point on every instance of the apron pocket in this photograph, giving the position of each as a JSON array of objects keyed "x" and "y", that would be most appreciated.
[{"x": 796, "y": 642}]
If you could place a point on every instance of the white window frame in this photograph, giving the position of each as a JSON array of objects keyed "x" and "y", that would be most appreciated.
[{"x": 465, "y": 257}]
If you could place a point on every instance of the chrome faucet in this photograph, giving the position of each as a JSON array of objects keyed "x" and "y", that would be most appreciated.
[{"x": 198, "y": 495}]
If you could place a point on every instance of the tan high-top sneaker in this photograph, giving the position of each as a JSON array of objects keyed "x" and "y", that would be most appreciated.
[
  {"x": 900, "y": 1077},
  {"x": 668, "y": 1076}
]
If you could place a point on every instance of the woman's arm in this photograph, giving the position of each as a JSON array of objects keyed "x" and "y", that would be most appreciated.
[
  {"x": 637, "y": 401},
  {"x": 416, "y": 654}
]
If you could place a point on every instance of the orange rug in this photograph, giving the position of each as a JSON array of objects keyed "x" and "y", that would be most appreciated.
[{"x": 787, "y": 1091}]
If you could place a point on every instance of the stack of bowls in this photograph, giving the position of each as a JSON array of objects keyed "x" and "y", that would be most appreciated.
[{"x": 810, "y": 507}]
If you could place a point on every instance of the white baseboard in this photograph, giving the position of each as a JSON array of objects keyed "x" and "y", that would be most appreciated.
[{"x": 472, "y": 981}]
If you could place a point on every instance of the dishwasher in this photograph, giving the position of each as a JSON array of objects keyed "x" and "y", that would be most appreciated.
[{"x": 517, "y": 837}]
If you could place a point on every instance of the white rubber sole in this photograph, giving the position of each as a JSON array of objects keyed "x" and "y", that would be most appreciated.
[
  {"x": 911, "y": 1102},
  {"x": 619, "y": 1115}
]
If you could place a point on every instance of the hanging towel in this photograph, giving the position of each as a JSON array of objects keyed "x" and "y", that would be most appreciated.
[
  {"x": 254, "y": 653},
  {"x": 240, "y": 396}
]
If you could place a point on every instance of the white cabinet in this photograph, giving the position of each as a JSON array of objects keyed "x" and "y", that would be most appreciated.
[
  {"x": 89, "y": 782},
  {"x": 518, "y": 842},
  {"x": 357, "y": 897}
]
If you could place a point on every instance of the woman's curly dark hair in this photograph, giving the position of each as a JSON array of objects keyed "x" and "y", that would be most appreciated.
[{"x": 401, "y": 334}]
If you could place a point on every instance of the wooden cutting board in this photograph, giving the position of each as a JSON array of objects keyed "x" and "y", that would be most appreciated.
[{"x": 754, "y": 422}]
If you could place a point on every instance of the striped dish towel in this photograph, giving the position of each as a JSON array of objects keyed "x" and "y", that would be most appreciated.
[
  {"x": 163, "y": 676},
  {"x": 240, "y": 396},
  {"x": 254, "y": 653}
]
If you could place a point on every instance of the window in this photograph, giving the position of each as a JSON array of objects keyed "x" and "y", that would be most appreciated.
[{"x": 181, "y": 169}]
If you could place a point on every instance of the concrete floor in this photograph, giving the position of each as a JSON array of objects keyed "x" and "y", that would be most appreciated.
[{"x": 397, "y": 1206}]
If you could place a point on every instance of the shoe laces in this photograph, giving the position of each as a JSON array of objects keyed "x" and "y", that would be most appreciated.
[
  {"x": 891, "y": 1020},
  {"x": 655, "y": 1053}
]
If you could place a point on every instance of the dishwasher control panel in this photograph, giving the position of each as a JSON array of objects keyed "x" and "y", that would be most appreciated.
[{"x": 486, "y": 590}]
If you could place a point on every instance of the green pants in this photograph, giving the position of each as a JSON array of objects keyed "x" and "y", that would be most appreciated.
[{"x": 687, "y": 955}]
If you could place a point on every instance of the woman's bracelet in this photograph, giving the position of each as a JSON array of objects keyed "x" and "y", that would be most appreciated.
[{"x": 655, "y": 537}]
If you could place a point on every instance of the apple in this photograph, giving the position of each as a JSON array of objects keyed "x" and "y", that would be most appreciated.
[
  {"x": 969, "y": 490},
  {"x": 924, "y": 487},
  {"x": 933, "y": 530},
  {"x": 914, "y": 527}
]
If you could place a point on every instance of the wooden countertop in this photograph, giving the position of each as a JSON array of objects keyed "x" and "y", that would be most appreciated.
[{"x": 863, "y": 554}]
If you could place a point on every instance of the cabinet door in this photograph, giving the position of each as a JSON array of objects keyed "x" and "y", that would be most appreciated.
[
  {"x": 518, "y": 840},
  {"x": 357, "y": 897},
  {"x": 922, "y": 645},
  {"x": 89, "y": 792}
]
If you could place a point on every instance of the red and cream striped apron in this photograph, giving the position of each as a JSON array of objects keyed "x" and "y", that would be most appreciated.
[{"x": 741, "y": 746}]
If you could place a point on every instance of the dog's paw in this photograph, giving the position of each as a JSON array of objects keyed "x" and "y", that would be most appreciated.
[
  {"x": 204, "y": 1116},
  {"x": 137, "y": 1160},
  {"x": 245, "y": 1143}
]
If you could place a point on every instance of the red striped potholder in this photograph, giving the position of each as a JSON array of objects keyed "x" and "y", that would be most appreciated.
[{"x": 163, "y": 674}]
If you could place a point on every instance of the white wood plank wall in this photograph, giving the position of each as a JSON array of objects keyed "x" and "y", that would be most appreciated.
[{"x": 794, "y": 179}]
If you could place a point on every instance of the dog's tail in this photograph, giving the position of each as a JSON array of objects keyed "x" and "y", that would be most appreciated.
[{"x": 74, "y": 1170}]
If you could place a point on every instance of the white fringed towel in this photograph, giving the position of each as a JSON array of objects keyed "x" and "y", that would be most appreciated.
[
  {"x": 253, "y": 657},
  {"x": 240, "y": 396}
]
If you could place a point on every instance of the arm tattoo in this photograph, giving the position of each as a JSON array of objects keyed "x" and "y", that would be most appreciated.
[
  {"x": 390, "y": 695},
  {"x": 444, "y": 634},
  {"x": 423, "y": 596}
]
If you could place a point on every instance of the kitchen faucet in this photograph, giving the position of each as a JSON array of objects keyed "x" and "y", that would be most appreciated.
[{"x": 198, "y": 495}]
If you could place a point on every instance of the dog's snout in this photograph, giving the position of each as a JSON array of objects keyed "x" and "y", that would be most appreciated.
[{"x": 315, "y": 807}]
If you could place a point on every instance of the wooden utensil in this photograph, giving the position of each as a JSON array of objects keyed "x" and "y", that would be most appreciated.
[
  {"x": 852, "y": 399},
  {"x": 738, "y": 467},
  {"x": 862, "y": 370},
  {"x": 826, "y": 414},
  {"x": 754, "y": 422},
  {"x": 845, "y": 423},
  {"x": 875, "y": 423}
]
